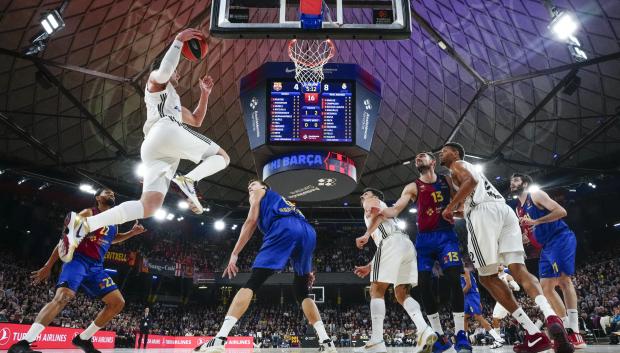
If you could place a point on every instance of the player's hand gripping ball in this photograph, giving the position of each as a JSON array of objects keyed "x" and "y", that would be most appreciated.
[{"x": 195, "y": 48}]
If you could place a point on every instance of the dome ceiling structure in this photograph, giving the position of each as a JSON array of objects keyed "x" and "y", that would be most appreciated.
[{"x": 78, "y": 108}]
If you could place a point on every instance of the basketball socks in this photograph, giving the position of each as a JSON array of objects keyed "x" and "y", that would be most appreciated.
[
  {"x": 320, "y": 331},
  {"x": 459, "y": 322},
  {"x": 227, "y": 325},
  {"x": 544, "y": 306},
  {"x": 525, "y": 321},
  {"x": 495, "y": 334},
  {"x": 33, "y": 332},
  {"x": 413, "y": 309},
  {"x": 209, "y": 166},
  {"x": 435, "y": 323},
  {"x": 377, "y": 315},
  {"x": 573, "y": 320},
  {"x": 90, "y": 331},
  {"x": 125, "y": 212}
]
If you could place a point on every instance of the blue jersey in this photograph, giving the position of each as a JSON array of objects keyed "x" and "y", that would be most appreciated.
[
  {"x": 97, "y": 243},
  {"x": 274, "y": 207},
  {"x": 474, "y": 285},
  {"x": 546, "y": 231}
]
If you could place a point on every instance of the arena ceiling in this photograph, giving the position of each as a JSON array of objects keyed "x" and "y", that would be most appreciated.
[{"x": 77, "y": 107}]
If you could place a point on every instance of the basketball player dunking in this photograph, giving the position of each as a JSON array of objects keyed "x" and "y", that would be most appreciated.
[
  {"x": 494, "y": 237},
  {"x": 393, "y": 263},
  {"x": 168, "y": 139},
  {"x": 84, "y": 271},
  {"x": 287, "y": 237},
  {"x": 557, "y": 258},
  {"x": 436, "y": 241}
]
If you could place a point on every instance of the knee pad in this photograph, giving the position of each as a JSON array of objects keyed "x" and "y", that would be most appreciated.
[
  {"x": 300, "y": 286},
  {"x": 257, "y": 278}
]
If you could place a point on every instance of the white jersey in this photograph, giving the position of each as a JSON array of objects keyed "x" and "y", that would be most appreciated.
[
  {"x": 386, "y": 228},
  {"x": 484, "y": 191},
  {"x": 165, "y": 104}
]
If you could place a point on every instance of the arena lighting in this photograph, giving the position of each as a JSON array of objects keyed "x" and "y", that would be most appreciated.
[
  {"x": 563, "y": 25},
  {"x": 160, "y": 214},
  {"x": 413, "y": 210},
  {"x": 155, "y": 277},
  {"x": 170, "y": 216},
  {"x": 533, "y": 188},
  {"x": 87, "y": 188},
  {"x": 208, "y": 209},
  {"x": 183, "y": 205},
  {"x": 180, "y": 219},
  {"x": 402, "y": 225},
  {"x": 44, "y": 186},
  {"x": 234, "y": 226},
  {"x": 514, "y": 197},
  {"x": 617, "y": 225},
  {"x": 219, "y": 225},
  {"x": 110, "y": 270},
  {"x": 21, "y": 181},
  {"x": 593, "y": 186},
  {"x": 140, "y": 169},
  {"x": 202, "y": 223},
  {"x": 52, "y": 22},
  {"x": 406, "y": 162},
  {"x": 202, "y": 287},
  {"x": 479, "y": 168}
]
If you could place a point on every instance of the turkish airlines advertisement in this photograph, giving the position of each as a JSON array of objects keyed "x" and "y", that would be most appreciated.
[
  {"x": 51, "y": 337},
  {"x": 156, "y": 341}
]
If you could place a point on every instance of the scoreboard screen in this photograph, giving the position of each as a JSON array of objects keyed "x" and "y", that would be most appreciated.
[{"x": 321, "y": 113}]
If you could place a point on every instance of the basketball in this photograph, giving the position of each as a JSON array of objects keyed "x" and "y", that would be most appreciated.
[{"x": 195, "y": 49}]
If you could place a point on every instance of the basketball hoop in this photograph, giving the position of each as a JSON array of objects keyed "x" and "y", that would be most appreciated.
[{"x": 309, "y": 57}]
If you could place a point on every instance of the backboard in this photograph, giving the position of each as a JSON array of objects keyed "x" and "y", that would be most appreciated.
[{"x": 280, "y": 19}]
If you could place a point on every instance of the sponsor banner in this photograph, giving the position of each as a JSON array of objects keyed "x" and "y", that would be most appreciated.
[
  {"x": 156, "y": 341},
  {"x": 52, "y": 337},
  {"x": 158, "y": 267},
  {"x": 121, "y": 257}
]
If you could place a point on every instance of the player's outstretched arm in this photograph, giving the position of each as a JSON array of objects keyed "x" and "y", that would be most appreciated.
[
  {"x": 135, "y": 230},
  {"x": 409, "y": 194},
  {"x": 170, "y": 61},
  {"x": 247, "y": 230},
  {"x": 542, "y": 200},
  {"x": 467, "y": 184},
  {"x": 196, "y": 118}
]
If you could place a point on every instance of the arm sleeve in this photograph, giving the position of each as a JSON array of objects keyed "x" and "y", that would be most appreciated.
[{"x": 168, "y": 63}]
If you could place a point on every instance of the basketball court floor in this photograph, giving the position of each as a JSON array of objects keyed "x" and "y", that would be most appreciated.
[{"x": 507, "y": 349}]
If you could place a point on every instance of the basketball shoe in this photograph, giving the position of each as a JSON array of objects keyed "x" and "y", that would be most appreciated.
[
  {"x": 188, "y": 187},
  {"x": 426, "y": 340},
  {"x": 372, "y": 347},
  {"x": 576, "y": 339},
  {"x": 72, "y": 234},
  {"x": 462, "y": 343},
  {"x": 535, "y": 343},
  {"x": 215, "y": 345},
  {"x": 21, "y": 347},
  {"x": 327, "y": 346},
  {"x": 442, "y": 344},
  {"x": 561, "y": 342}
]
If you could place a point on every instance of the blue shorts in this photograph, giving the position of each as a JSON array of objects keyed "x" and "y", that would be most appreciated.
[
  {"x": 288, "y": 238},
  {"x": 558, "y": 256},
  {"x": 472, "y": 303},
  {"x": 442, "y": 246},
  {"x": 87, "y": 274}
]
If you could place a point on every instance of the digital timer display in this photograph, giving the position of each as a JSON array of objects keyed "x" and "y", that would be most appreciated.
[{"x": 312, "y": 113}]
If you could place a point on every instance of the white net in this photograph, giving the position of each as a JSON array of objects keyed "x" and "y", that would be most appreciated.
[{"x": 309, "y": 57}]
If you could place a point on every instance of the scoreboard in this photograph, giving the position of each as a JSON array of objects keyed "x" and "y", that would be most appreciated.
[{"x": 317, "y": 113}]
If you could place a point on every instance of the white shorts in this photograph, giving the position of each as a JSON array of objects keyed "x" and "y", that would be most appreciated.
[
  {"x": 166, "y": 143},
  {"x": 499, "y": 312},
  {"x": 494, "y": 237},
  {"x": 395, "y": 261}
]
